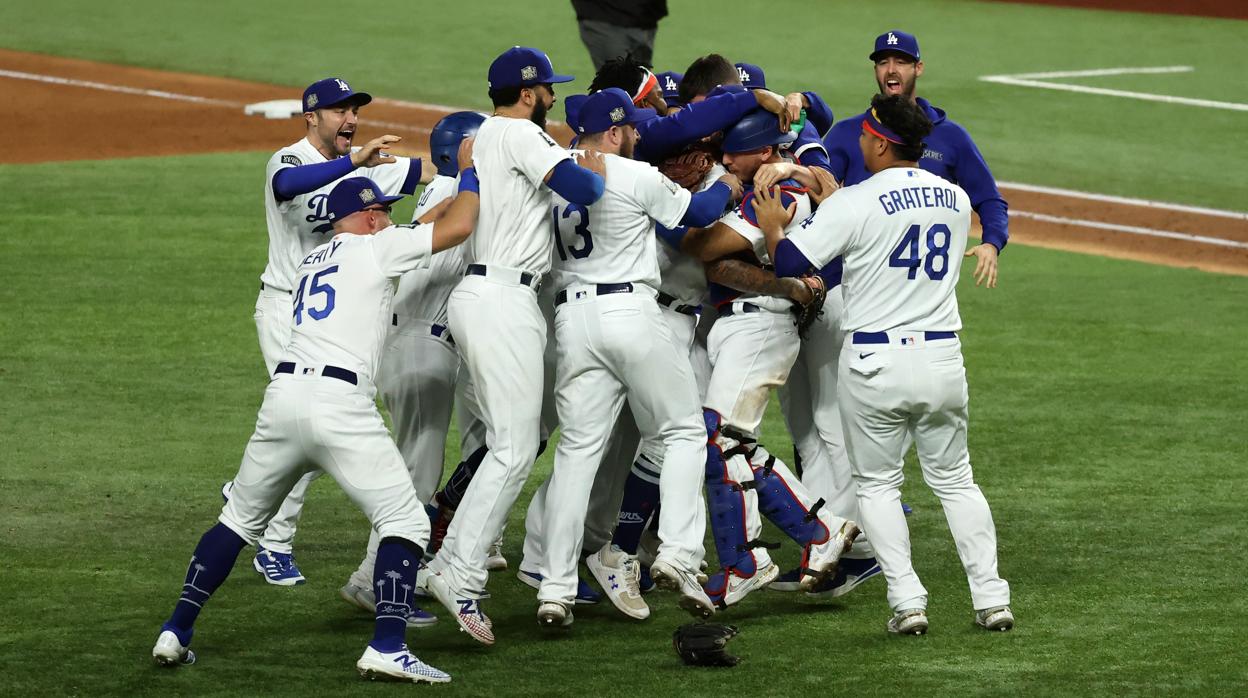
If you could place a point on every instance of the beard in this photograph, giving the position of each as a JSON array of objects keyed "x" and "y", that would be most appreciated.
[{"x": 539, "y": 114}]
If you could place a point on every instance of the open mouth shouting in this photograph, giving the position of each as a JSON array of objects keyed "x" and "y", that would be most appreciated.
[
  {"x": 344, "y": 137},
  {"x": 893, "y": 86}
]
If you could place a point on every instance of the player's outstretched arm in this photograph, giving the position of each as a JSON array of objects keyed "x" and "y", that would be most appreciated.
[
  {"x": 746, "y": 277},
  {"x": 709, "y": 244},
  {"x": 461, "y": 218},
  {"x": 581, "y": 183}
]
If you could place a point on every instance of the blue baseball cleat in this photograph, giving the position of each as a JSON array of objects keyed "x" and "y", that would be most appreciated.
[
  {"x": 585, "y": 594},
  {"x": 905, "y": 509},
  {"x": 789, "y": 581},
  {"x": 849, "y": 574},
  {"x": 277, "y": 568},
  {"x": 644, "y": 582}
]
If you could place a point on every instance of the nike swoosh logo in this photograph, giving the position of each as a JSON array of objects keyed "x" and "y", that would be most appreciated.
[{"x": 863, "y": 356}]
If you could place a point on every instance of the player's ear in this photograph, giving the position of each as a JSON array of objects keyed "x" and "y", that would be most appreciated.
[
  {"x": 918, "y": 69},
  {"x": 310, "y": 118}
]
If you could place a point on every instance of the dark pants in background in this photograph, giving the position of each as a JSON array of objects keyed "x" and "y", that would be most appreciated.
[{"x": 606, "y": 41}]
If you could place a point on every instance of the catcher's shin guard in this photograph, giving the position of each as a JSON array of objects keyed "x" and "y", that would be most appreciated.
[
  {"x": 785, "y": 502},
  {"x": 726, "y": 500}
]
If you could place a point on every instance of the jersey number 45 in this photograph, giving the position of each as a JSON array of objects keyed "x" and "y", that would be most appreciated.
[
  {"x": 935, "y": 263},
  {"x": 317, "y": 288}
]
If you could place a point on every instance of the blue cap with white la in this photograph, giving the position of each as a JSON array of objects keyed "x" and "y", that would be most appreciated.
[
  {"x": 329, "y": 92},
  {"x": 355, "y": 194},
  {"x": 519, "y": 66},
  {"x": 669, "y": 82},
  {"x": 896, "y": 41},
  {"x": 610, "y": 107},
  {"x": 752, "y": 76}
]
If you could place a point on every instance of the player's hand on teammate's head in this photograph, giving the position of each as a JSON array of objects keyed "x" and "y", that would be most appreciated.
[
  {"x": 465, "y": 152},
  {"x": 775, "y": 104},
  {"x": 795, "y": 102},
  {"x": 734, "y": 184},
  {"x": 593, "y": 161},
  {"x": 772, "y": 173},
  {"x": 985, "y": 265},
  {"x": 769, "y": 208},
  {"x": 827, "y": 185},
  {"x": 374, "y": 152}
]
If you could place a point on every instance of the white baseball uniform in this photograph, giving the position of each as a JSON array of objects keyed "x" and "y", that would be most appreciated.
[
  {"x": 319, "y": 410},
  {"x": 752, "y": 346},
  {"x": 613, "y": 343},
  {"x": 903, "y": 233},
  {"x": 419, "y": 366},
  {"x": 295, "y": 228},
  {"x": 500, "y": 332}
]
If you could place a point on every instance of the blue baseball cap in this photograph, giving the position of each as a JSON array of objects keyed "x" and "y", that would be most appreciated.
[
  {"x": 355, "y": 194},
  {"x": 752, "y": 76},
  {"x": 523, "y": 67},
  {"x": 326, "y": 93},
  {"x": 610, "y": 107},
  {"x": 897, "y": 41},
  {"x": 669, "y": 82},
  {"x": 572, "y": 107}
]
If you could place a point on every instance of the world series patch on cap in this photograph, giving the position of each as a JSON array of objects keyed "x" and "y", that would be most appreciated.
[
  {"x": 610, "y": 107},
  {"x": 331, "y": 92},
  {"x": 355, "y": 194}
]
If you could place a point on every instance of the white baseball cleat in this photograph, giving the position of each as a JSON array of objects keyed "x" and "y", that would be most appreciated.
[
  {"x": 912, "y": 621},
  {"x": 996, "y": 618},
  {"x": 494, "y": 560},
  {"x": 735, "y": 587},
  {"x": 618, "y": 573},
  {"x": 821, "y": 559},
  {"x": 685, "y": 582},
  {"x": 169, "y": 650},
  {"x": 398, "y": 666},
  {"x": 553, "y": 614},
  {"x": 465, "y": 608}
]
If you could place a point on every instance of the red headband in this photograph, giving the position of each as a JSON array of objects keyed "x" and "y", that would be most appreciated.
[
  {"x": 649, "y": 83},
  {"x": 875, "y": 127}
]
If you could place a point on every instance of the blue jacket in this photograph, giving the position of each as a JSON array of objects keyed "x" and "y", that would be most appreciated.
[{"x": 950, "y": 154}]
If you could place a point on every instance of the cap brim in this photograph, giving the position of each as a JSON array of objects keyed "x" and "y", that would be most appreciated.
[
  {"x": 359, "y": 99},
  {"x": 642, "y": 115},
  {"x": 390, "y": 199},
  {"x": 559, "y": 78},
  {"x": 875, "y": 55}
]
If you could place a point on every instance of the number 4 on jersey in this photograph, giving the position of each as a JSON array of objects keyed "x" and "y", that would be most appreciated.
[{"x": 937, "y": 251}]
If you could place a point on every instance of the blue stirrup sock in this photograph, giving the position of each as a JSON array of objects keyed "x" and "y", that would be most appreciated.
[
  {"x": 641, "y": 498},
  {"x": 211, "y": 563},
  {"x": 394, "y": 580}
]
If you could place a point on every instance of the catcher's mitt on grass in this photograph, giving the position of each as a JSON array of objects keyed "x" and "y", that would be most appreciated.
[
  {"x": 810, "y": 311},
  {"x": 703, "y": 644}
]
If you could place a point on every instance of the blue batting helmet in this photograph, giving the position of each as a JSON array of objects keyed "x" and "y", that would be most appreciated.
[
  {"x": 755, "y": 130},
  {"x": 447, "y": 135}
]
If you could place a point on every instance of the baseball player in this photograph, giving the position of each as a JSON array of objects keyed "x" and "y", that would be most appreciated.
[
  {"x": 319, "y": 412},
  {"x": 612, "y": 344},
  {"x": 419, "y": 365},
  {"x": 902, "y": 233},
  {"x": 297, "y": 182},
  {"x": 752, "y": 346},
  {"x": 495, "y": 306}
]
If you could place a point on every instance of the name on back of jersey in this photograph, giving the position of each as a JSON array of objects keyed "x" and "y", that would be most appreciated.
[
  {"x": 322, "y": 253},
  {"x": 908, "y": 198}
]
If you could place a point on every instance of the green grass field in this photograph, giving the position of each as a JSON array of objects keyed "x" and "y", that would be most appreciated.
[{"x": 1106, "y": 395}]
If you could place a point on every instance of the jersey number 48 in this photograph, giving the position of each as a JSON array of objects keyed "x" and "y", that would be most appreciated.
[
  {"x": 317, "y": 288},
  {"x": 935, "y": 263}
]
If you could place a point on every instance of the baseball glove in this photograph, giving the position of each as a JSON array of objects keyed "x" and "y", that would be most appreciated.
[
  {"x": 689, "y": 167},
  {"x": 810, "y": 311},
  {"x": 703, "y": 644}
]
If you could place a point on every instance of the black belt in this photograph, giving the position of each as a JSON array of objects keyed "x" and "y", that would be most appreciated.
[
  {"x": 882, "y": 337},
  {"x": 434, "y": 328},
  {"x": 273, "y": 289},
  {"x": 479, "y": 270},
  {"x": 599, "y": 290},
  {"x": 746, "y": 307},
  {"x": 341, "y": 374},
  {"x": 674, "y": 303}
]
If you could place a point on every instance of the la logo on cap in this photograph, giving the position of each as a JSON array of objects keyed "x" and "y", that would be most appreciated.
[
  {"x": 617, "y": 115},
  {"x": 669, "y": 83},
  {"x": 528, "y": 72},
  {"x": 745, "y": 77},
  {"x": 892, "y": 39},
  {"x": 367, "y": 196},
  {"x": 342, "y": 85}
]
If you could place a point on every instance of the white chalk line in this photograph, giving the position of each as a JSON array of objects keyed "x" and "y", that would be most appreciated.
[
  {"x": 1107, "y": 198},
  {"x": 1133, "y": 230},
  {"x": 161, "y": 94},
  {"x": 1032, "y": 80}
]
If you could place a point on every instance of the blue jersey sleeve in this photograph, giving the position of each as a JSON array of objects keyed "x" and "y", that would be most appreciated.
[
  {"x": 810, "y": 149},
  {"x": 707, "y": 206},
  {"x": 842, "y": 145},
  {"x": 789, "y": 260},
  {"x": 666, "y": 135},
  {"x": 290, "y": 182},
  {"x": 973, "y": 175},
  {"x": 818, "y": 113},
  {"x": 575, "y": 183}
]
